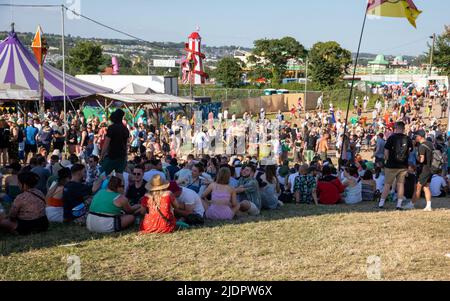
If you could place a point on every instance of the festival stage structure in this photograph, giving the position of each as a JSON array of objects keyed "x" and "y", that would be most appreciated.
[{"x": 192, "y": 66}]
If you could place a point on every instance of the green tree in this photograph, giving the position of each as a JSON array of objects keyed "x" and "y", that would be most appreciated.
[
  {"x": 442, "y": 52},
  {"x": 328, "y": 63},
  {"x": 274, "y": 55},
  {"x": 85, "y": 58},
  {"x": 229, "y": 72}
]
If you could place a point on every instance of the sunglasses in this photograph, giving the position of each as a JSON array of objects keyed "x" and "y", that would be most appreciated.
[{"x": 137, "y": 174}]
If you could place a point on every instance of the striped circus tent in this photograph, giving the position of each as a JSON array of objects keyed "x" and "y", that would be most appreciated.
[{"x": 19, "y": 66}]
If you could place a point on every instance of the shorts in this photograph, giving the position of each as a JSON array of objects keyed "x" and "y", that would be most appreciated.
[
  {"x": 103, "y": 224},
  {"x": 25, "y": 227},
  {"x": 425, "y": 177},
  {"x": 110, "y": 165},
  {"x": 323, "y": 156},
  {"x": 395, "y": 174},
  {"x": 309, "y": 155},
  {"x": 30, "y": 148},
  {"x": 55, "y": 214}
]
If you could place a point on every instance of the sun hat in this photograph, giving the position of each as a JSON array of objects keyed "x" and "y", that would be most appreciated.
[{"x": 157, "y": 184}]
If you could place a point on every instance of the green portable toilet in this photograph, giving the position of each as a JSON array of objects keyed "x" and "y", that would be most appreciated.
[{"x": 269, "y": 92}]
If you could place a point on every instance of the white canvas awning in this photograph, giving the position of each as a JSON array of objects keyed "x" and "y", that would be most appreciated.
[
  {"x": 15, "y": 92},
  {"x": 145, "y": 99}
]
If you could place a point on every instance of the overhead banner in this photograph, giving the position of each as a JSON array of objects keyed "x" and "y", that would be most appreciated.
[{"x": 164, "y": 63}]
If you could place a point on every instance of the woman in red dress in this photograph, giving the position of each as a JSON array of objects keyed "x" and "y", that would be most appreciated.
[{"x": 158, "y": 205}]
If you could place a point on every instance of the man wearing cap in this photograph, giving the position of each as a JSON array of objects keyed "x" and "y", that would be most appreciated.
[
  {"x": 114, "y": 150},
  {"x": 190, "y": 207},
  {"x": 424, "y": 170}
]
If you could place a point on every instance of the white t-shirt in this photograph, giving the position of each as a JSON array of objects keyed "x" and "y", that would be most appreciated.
[
  {"x": 151, "y": 173},
  {"x": 189, "y": 197},
  {"x": 437, "y": 182},
  {"x": 380, "y": 182},
  {"x": 291, "y": 180}
]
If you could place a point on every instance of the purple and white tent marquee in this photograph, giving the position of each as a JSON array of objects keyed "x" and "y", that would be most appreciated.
[{"x": 19, "y": 66}]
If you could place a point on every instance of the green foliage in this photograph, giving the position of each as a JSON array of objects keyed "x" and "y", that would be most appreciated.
[
  {"x": 274, "y": 54},
  {"x": 442, "y": 52},
  {"x": 85, "y": 58},
  {"x": 229, "y": 72},
  {"x": 328, "y": 63}
]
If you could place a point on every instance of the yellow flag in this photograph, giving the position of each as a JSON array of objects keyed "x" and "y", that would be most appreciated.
[{"x": 394, "y": 8}]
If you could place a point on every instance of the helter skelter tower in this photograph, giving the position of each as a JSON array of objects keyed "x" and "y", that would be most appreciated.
[{"x": 192, "y": 66}]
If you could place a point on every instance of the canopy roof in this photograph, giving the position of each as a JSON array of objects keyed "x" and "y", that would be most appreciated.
[
  {"x": 18, "y": 66},
  {"x": 16, "y": 92},
  {"x": 144, "y": 99},
  {"x": 380, "y": 60},
  {"x": 134, "y": 88}
]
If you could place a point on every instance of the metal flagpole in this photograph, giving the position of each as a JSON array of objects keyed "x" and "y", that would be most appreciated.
[
  {"x": 64, "y": 74},
  {"x": 352, "y": 87}
]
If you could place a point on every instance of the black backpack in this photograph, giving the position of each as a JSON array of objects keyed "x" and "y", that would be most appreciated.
[{"x": 401, "y": 149}]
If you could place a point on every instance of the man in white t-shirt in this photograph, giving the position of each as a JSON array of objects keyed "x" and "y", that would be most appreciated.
[
  {"x": 190, "y": 209},
  {"x": 438, "y": 186},
  {"x": 291, "y": 180}
]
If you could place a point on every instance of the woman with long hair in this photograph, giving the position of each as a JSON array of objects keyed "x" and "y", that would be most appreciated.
[
  {"x": 54, "y": 198},
  {"x": 271, "y": 190},
  {"x": 223, "y": 204},
  {"x": 157, "y": 207}
]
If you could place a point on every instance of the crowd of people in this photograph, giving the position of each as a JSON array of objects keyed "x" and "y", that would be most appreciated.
[{"x": 183, "y": 172}]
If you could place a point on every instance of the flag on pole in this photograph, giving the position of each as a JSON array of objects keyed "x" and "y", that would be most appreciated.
[{"x": 395, "y": 9}]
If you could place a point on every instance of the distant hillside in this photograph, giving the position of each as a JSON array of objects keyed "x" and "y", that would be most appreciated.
[
  {"x": 127, "y": 48},
  {"x": 146, "y": 51}
]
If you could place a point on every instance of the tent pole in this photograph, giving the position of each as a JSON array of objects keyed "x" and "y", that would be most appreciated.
[
  {"x": 64, "y": 72},
  {"x": 351, "y": 88}
]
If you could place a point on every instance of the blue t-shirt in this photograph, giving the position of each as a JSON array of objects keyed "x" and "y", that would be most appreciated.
[{"x": 30, "y": 135}]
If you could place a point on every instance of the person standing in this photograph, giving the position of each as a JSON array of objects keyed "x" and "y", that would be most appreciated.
[
  {"x": 114, "y": 150},
  {"x": 397, "y": 150},
  {"x": 31, "y": 133},
  {"x": 424, "y": 170}
]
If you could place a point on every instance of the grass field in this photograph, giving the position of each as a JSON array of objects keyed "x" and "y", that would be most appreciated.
[{"x": 294, "y": 243}]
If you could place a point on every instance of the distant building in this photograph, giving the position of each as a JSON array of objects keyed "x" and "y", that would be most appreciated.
[
  {"x": 399, "y": 62},
  {"x": 379, "y": 63}
]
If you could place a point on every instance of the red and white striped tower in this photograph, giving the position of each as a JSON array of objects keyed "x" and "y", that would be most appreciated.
[{"x": 193, "y": 70}]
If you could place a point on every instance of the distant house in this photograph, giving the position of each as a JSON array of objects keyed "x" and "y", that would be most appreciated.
[{"x": 399, "y": 62}]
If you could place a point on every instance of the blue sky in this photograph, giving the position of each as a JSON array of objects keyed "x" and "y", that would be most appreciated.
[{"x": 240, "y": 22}]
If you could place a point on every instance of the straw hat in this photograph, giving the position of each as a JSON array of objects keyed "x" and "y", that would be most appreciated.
[{"x": 157, "y": 184}]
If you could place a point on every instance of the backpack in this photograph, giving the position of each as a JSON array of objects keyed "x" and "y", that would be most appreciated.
[
  {"x": 437, "y": 160},
  {"x": 401, "y": 149}
]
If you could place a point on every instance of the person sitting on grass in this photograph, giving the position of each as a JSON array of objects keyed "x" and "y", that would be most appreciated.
[
  {"x": 190, "y": 209},
  {"x": 27, "y": 214},
  {"x": 305, "y": 187},
  {"x": 353, "y": 185},
  {"x": 329, "y": 187},
  {"x": 54, "y": 199},
  {"x": 76, "y": 195},
  {"x": 248, "y": 191},
  {"x": 157, "y": 207},
  {"x": 12, "y": 188},
  {"x": 368, "y": 186},
  {"x": 105, "y": 211},
  {"x": 438, "y": 185},
  {"x": 223, "y": 204}
]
